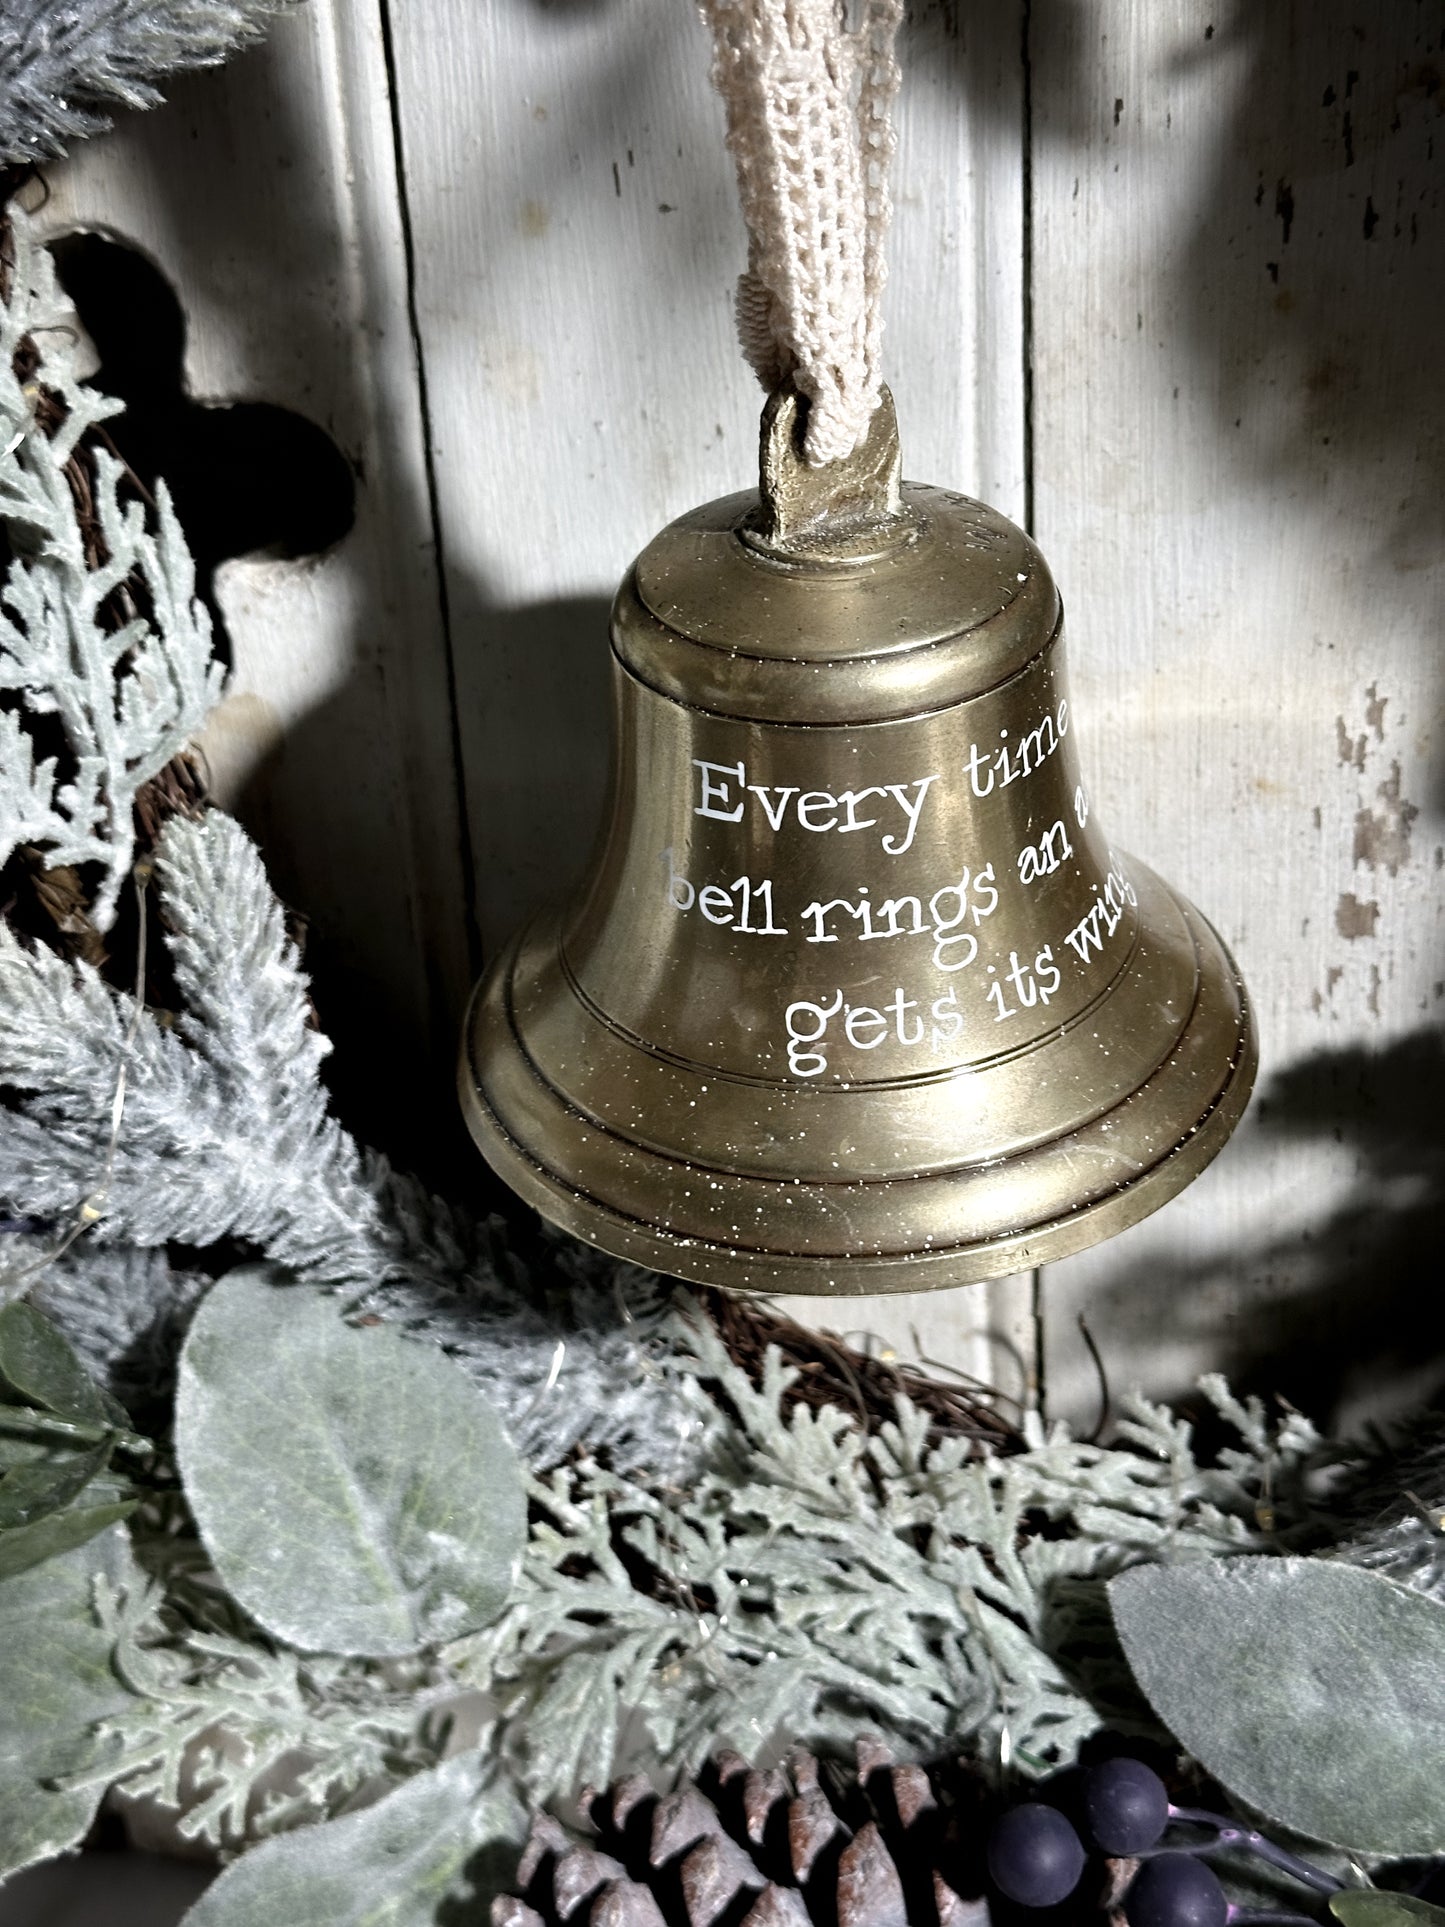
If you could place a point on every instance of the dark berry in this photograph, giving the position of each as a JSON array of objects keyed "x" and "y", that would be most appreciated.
[
  {"x": 1034, "y": 1855},
  {"x": 1175, "y": 1890},
  {"x": 1126, "y": 1806}
]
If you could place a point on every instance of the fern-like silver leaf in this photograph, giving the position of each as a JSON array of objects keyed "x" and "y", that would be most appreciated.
[{"x": 127, "y": 690}]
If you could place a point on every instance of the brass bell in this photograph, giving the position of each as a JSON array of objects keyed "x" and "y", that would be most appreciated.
[{"x": 858, "y": 996}]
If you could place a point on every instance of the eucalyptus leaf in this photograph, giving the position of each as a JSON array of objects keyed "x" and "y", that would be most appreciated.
[
  {"x": 38, "y": 1363},
  {"x": 1313, "y": 1690},
  {"x": 422, "y": 1849},
  {"x": 1372, "y": 1907},
  {"x": 353, "y": 1487},
  {"x": 27, "y": 1546},
  {"x": 56, "y": 1682},
  {"x": 29, "y": 1492}
]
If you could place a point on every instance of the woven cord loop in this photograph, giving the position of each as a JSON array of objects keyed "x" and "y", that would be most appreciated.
[{"x": 809, "y": 125}]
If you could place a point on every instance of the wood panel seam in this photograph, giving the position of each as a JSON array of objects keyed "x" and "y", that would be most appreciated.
[{"x": 470, "y": 920}]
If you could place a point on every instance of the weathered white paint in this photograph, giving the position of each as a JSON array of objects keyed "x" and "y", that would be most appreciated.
[{"x": 1238, "y": 274}]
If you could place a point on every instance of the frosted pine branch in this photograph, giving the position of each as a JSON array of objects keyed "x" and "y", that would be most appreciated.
[
  {"x": 112, "y": 646},
  {"x": 225, "y": 1131},
  {"x": 250, "y": 1738},
  {"x": 226, "y": 1134},
  {"x": 64, "y": 64},
  {"x": 1391, "y": 1506}
]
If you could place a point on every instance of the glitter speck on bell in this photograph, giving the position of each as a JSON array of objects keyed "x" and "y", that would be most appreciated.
[{"x": 857, "y": 996}]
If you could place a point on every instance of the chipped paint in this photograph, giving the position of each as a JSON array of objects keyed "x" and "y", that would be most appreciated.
[
  {"x": 1351, "y": 748},
  {"x": 1382, "y": 837},
  {"x": 1354, "y": 918},
  {"x": 1318, "y": 999}
]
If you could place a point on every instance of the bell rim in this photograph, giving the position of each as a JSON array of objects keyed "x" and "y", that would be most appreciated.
[{"x": 760, "y": 1272}]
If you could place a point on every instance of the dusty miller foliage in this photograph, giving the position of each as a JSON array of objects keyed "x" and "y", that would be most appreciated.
[
  {"x": 106, "y": 643},
  {"x": 65, "y": 64}
]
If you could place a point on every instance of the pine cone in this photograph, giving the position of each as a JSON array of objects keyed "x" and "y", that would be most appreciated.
[{"x": 892, "y": 1846}]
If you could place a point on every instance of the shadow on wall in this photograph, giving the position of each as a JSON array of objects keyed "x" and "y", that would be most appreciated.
[
  {"x": 551, "y": 659},
  {"x": 1351, "y": 1315},
  {"x": 244, "y": 478},
  {"x": 1321, "y": 307},
  {"x": 550, "y": 663},
  {"x": 1337, "y": 143},
  {"x": 1310, "y": 280}
]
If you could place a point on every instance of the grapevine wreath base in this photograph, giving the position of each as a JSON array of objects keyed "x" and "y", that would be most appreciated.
[{"x": 344, "y": 1531}]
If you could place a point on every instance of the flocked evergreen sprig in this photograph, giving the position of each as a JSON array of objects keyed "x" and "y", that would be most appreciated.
[
  {"x": 106, "y": 664},
  {"x": 226, "y": 1134},
  {"x": 66, "y": 65}
]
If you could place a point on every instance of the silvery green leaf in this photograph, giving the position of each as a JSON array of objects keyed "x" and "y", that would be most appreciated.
[
  {"x": 1372, "y": 1907},
  {"x": 1314, "y": 1691},
  {"x": 397, "y": 1864},
  {"x": 26, "y": 1546},
  {"x": 355, "y": 1491},
  {"x": 39, "y": 1364},
  {"x": 29, "y": 1492},
  {"x": 56, "y": 1682}
]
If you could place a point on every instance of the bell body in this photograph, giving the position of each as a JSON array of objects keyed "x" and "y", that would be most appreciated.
[{"x": 858, "y": 996}]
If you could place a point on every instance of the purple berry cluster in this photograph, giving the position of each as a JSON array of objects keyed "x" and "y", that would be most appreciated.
[{"x": 1037, "y": 1855}]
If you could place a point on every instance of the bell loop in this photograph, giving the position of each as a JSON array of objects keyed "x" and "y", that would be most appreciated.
[{"x": 844, "y": 512}]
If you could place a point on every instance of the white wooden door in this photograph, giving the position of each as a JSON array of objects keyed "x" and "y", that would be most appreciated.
[{"x": 1165, "y": 279}]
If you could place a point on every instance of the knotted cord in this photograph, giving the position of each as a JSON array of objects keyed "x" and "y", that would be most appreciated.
[{"x": 810, "y": 128}]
